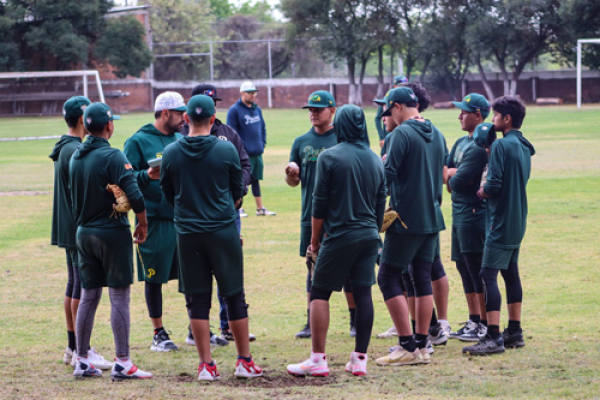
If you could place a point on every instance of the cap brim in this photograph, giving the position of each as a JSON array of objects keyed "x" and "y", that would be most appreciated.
[
  {"x": 381, "y": 102},
  {"x": 315, "y": 106},
  {"x": 183, "y": 108},
  {"x": 462, "y": 106},
  {"x": 217, "y": 99},
  {"x": 251, "y": 90},
  {"x": 387, "y": 112},
  {"x": 116, "y": 117}
]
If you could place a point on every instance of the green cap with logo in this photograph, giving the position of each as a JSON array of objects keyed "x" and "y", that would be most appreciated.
[
  {"x": 75, "y": 106},
  {"x": 400, "y": 80},
  {"x": 97, "y": 115},
  {"x": 401, "y": 95},
  {"x": 320, "y": 99},
  {"x": 201, "y": 106},
  {"x": 474, "y": 103},
  {"x": 484, "y": 135},
  {"x": 382, "y": 102}
]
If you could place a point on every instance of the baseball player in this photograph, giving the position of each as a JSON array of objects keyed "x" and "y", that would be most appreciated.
[
  {"x": 381, "y": 130},
  {"x": 506, "y": 195},
  {"x": 302, "y": 169},
  {"x": 64, "y": 226},
  {"x": 207, "y": 239},
  {"x": 104, "y": 242},
  {"x": 348, "y": 204},
  {"x": 157, "y": 259}
]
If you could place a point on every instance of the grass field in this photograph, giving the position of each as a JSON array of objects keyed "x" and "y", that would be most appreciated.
[{"x": 559, "y": 264}]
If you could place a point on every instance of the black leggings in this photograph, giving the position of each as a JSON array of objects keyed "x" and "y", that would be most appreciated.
[
  {"x": 390, "y": 283},
  {"x": 73, "y": 284},
  {"x": 420, "y": 274},
  {"x": 153, "y": 293},
  {"x": 512, "y": 281},
  {"x": 255, "y": 187}
]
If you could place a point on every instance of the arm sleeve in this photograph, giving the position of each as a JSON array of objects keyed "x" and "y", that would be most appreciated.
[
  {"x": 166, "y": 182},
  {"x": 236, "y": 180},
  {"x": 471, "y": 166},
  {"x": 264, "y": 129},
  {"x": 381, "y": 195},
  {"x": 321, "y": 190},
  {"x": 233, "y": 120},
  {"x": 379, "y": 125},
  {"x": 134, "y": 154},
  {"x": 121, "y": 172},
  {"x": 398, "y": 149},
  {"x": 295, "y": 157},
  {"x": 237, "y": 141},
  {"x": 495, "y": 175}
]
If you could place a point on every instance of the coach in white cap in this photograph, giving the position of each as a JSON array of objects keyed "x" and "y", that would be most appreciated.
[
  {"x": 247, "y": 119},
  {"x": 157, "y": 259}
]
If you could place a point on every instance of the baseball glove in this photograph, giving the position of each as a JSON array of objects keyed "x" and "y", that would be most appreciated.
[
  {"x": 122, "y": 205},
  {"x": 311, "y": 259},
  {"x": 388, "y": 219}
]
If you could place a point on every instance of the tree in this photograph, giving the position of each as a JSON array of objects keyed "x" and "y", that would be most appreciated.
[{"x": 580, "y": 20}]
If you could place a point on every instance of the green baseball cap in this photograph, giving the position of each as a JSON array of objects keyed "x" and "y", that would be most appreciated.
[
  {"x": 201, "y": 106},
  {"x": 382, "y": 102},
  {"x": 97, "y": 115},
  {"x": 399, "y": 80},
  {"x": 473, "y": 103},
  {"x": 484, "y": 135},
  {"x": 320, "y": 99},
  {"x": 75, "y": 106},
  {"x": 401, "y": 95}
]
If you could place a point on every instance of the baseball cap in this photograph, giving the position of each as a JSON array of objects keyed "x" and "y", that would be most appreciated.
[
  {"x": 320, "y": 99},
  {"x": 169, "y": 101},
  {"x": 401, "y": 95},
  {"x": 484, "y": 135},
  {"x": 248, "y": 87},
  {"x": 201, "y": 106},
  {"x": 207, "y": 90},
  {"x": 97, "y": 115},
  {"x": 75, "y": 106},
  {"x": 382, "y": 102},
  {"x": 473, "y": 103},
  {"x": 399, "y": 80}
]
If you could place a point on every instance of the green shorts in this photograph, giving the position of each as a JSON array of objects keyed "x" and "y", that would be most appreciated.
[
  {"x": 203, "y": 254},
  {"x": 159, "y": 261},
  {"x": 72, "y": 256},
  {"x": 496, "y": 258},
  {"x": 467, "y": 239},
  {"x": 105, "y": 257},
  {"x": 400, "y": 249},
  {"x": 305, "y": 237},
  {"x": 354, "y": 260},
  {"x": 257, "y": 165}
]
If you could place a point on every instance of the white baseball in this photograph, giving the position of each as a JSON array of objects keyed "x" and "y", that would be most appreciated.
[{"x": 293, "y": 167}]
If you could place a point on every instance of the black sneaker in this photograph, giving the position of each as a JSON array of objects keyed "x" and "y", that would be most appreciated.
[
  {"x": 217, "y": 341},
  {"x": 437, "y": 335},
  {"x": 486, "y": 346},
  {"x": 513, "y": 341},
  {"x": 304, "y": 333},
  {"x": 467, "y": 328},
  {"x": 162, "y": 342},
  {"x": 226, "y": 334}
]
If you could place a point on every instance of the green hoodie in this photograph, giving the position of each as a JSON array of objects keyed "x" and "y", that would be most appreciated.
[
  {"x": 350, "y": 190},
  {"x": 146, "y": 144},
  {"x": 508, "y": 172},
  {"x": 63, "y": 223},
  {"x": 203, "y": 200},
  {"x": 414, "y": 170},
  {"x": 95, "y": 165}
]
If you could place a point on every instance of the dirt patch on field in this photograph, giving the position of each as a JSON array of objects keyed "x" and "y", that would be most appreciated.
[
  {"x": 265, "y": 382},
  {"x": 24, "y": 193}
]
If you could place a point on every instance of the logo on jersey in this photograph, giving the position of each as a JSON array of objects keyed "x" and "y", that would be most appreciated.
[
  {"x": 151, "y": 273},
  {"x": 159, "y": 155},
  {"x": 251, "y": 120},
  {"x": 311, "y": 154},
  {"x": 223, "y": 138}
]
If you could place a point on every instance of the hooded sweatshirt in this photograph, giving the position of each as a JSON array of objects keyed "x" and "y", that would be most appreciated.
[
  {"x": 203, "y": 200},
  {"x": 93, "y": 166},
  {"x": 350, "y": 189},
  {"x": 63, "y": 223},
  {"x": 146, "y": 144},
  {"x": 414, "y": 172},
  {"x": 249, "y": 123},
  {"x": 508, "y": 173}
]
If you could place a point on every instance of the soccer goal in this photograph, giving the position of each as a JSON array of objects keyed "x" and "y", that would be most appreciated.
[{"x": 579, "y": 43}]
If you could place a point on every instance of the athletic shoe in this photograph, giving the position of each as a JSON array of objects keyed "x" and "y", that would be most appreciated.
[
  {"x": 429, "y": 347},
  {"x": 392, "y": 332},
  {"x": 316, "y": 365},
  {"x": 474, "y": 335},
  {"x": 486, "y": 346},
  {"x": 128, "y": 371},
  {"x": 189, "y": 340},
  {"x": 304, "y": 333},
  {"x": 226, "y": 334},
  {"x": 467, "y": 327},
  {"x": 437, "y": 335},
  {"x": 352, "y": 331},
  {"x": 446, "y": 327},
  {"x": 242, "y": 213},
  {"x": 357, "y": 365},
  {"x": 401, "y": 356},
  {"x": 216, "y": 341},
  {"x": 68, "y": 356},
  {"x": 513, "y": 341},
  {"x": 264, "y": 211},
  {"x": 162, "y": 342},
  {"x": 74, "y": 359},
  {"x": 208, "y": 373},
  {"x": 425, "y": 355},
  {"x": 97, "y": 360},
  {"x": 247, "y": 370},
  {"x": 83, "y": 369}
]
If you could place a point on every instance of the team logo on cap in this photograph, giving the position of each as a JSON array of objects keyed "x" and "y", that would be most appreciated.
[
  {"x": 388, "y": 93},
  {"x": 109, "y": 114},
  {"x": 64, "y": 112},
  {"x": 412, "y": 96},
  {"x": 89, "y": 120},
  {"x": 468, "y": 99},
  {"x": 83, "y": 107},
  {"x": 315, "y": 97},
  {"x": 198, "y": 110}
]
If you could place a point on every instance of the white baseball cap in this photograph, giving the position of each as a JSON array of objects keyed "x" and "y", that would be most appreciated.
[
  {"x": 248, "y": 86},
  {"x": 169, "y": 101}
]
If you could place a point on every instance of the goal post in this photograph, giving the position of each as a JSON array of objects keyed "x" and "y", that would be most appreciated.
[
  {"x": 579, "y": 43},
  {"x": 58, "y": 74}
]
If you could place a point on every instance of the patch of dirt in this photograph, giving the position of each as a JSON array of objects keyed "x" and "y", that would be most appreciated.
[
  {"x": 24, "y": 193},
  {"x": 265, "y": 382}
]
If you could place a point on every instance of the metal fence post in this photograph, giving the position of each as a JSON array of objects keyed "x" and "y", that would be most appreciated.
[
  {"x": 212, "y": 65},
  {"x": 270, "y": 75}
]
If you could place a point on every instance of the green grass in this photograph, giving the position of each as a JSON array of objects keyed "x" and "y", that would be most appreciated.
[{"x": 559, "y": 266}]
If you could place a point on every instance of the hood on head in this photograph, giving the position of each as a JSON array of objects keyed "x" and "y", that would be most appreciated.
[
  {"x": 60, "y": 144},
  {"x": 350, "y": 124},
  {"x": 196, "y": 147},
  {"x": 425, "y": 129},
  {"x": 92, "y": 143}
]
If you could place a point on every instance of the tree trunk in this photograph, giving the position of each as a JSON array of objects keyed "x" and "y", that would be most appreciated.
[
  {"x": 380, "y": 89},
  {"x": 351, "y": 81},
  {"x": 486, "y": 84},
  {"x": 363, "y": 67},
  {"x": 392, "y": 68}
]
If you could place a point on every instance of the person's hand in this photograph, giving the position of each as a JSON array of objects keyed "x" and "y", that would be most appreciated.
[
  {"x": 238, "y": 203},
  {"x": 381, "y": 142},
  {"x": 482, "y": 194},
  {"x": 292, "y": 170},
  {"x": 141, "y": 232},
  {"x": 154, "y": 172},
  {"x": 384, "y": 157}
]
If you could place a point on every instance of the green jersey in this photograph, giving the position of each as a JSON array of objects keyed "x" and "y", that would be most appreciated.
[
  {"x": 469, "y": 160},
  {"x": 508, "y": 173},
  {"x": 63, "y": 223},
  {"x": 305, "y": 151},
  {"x": 202, "y": 178},
  {"x": 414, "y": 170}
]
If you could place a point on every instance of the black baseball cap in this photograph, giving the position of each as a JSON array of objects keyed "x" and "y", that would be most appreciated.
[{"x": 207, "y": 90}]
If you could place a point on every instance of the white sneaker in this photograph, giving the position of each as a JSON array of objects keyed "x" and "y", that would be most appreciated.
[
  {"x": 208, "y": 373},
  {"x": 316, "y": 365},
  {"x": 97, "y": 360},
  {"x": 83, "y": 369},
  {"x": 392, "y": 332},
  {"x": 425, "y": 356},
  {"x": 401, "y": 356},
  {"x": 68, "y": 356},
  {"x": 264, "y": 211},
  {"x": 247, "y": 370},
  {"x": 242, "y": 213},
  {"x": 357, "y": 364},
  {"x": 127, "y": 370},
  {"x": 446, "y": 327}
]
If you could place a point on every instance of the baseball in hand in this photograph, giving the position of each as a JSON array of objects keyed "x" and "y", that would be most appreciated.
[{"x": 292, "y": 169}]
